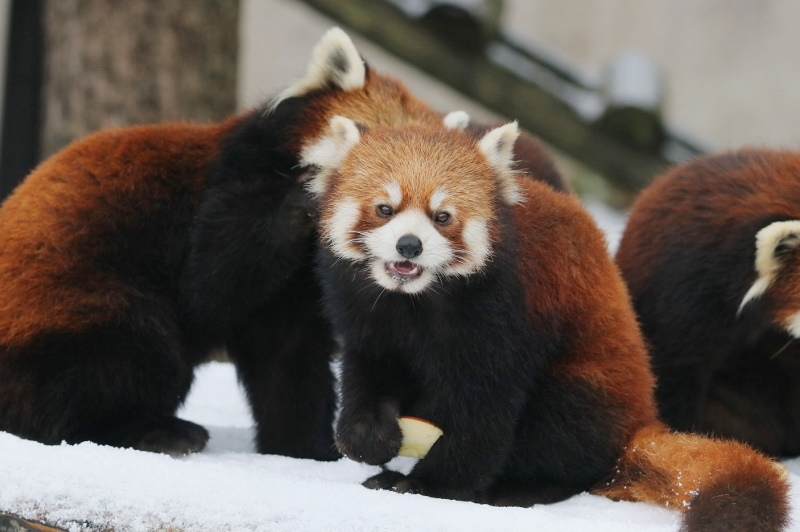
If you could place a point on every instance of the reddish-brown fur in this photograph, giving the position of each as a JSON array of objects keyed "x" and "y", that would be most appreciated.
[
  {"x": 129, "y": 255},
  {"x": 718, "y": 484},
  {"x": 56, "y": 218},
  {"x": 575, "y": 298},
  {"x": 406, "y": 164},
  {"x": 383, "y": 101},
  {"x": 688, "y": 255},
  {"x": 702, "y": 477},
  {"x": 557, "y": 236},
  {"x": 747, "y": 184}
]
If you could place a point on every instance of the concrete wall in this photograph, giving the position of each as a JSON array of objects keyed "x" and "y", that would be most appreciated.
[{"x": 732, "y": 65}]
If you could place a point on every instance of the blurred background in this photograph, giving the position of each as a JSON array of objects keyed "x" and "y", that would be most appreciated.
[{"x": 619, "y": 89}]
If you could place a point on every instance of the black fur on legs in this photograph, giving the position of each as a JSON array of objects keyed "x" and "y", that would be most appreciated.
[
  {"x": 248, "y": 283},
  {"x": 372, "y": 437},
  {"x": 112, "y": 384},
  {"x": 397, "y": 351},
  {"x": 252, "y": 229},
  {"x": 283, "y": 353},
  {"x": 526, "y": 494},
  {"x": 166, "y": 434}
]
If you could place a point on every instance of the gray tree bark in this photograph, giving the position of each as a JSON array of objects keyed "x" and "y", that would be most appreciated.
[{"x": 112, "y": 63}]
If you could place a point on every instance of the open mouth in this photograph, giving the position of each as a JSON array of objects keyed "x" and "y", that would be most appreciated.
[{"x": 404, "y": 271}]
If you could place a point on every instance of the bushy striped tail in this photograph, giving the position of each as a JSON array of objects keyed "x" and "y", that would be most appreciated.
[{"x": 718, "y": 485}]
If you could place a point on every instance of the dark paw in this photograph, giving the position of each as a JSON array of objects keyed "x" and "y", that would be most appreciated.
[
  {"x": 168, "y": 435},
  {"x": 394, "y": 481},
  {"x": 526, "y": 495},
  {"x": 370, "y": 438}
]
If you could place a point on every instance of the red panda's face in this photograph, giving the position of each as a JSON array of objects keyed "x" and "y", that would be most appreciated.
[
  {"x": 778, "y": 273},
  {"x": 412, "y": 205}
]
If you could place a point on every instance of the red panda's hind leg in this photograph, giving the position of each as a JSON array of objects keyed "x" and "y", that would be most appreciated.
[
  {"x": 163, "y": 434},
  {"x": 116, "y": 383}
]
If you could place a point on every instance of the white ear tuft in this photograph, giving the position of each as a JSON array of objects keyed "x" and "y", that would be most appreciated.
[
  {"x": 329, "y": 152},
  {"x": 334, "y": 61},
  {"x": 456, "y": 120},
  {"x": 498, "y": 148},
  {"x": 772, "y": 242}
]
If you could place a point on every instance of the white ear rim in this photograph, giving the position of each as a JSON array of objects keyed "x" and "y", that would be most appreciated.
[
  {"x": 456, "y": 120},
  {"x": 766, "y": 266},
  {"x": 498, "y": 148},
  {"x": 334, "y": 60},
  {"x": 329, "y": 152}
]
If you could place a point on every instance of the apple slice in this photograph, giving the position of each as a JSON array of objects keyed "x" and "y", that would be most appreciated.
[{"x": 419, "y": 436}]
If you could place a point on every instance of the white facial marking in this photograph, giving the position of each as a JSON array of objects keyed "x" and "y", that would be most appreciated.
[
  {"x": 456, "y": 120},
  {"x": 338, "y": 230},
  {"x": 478, "y": 248},
  {"x": 382, "y": 247},
  {"x": 766, "y": 264},
  {"x": 334, "y": 60},
  {"x": 438, "y": 197},
  {"x": 382, "y": 242},
  {"x": 384, "y": 279},
  {"x": 395, "y": 194},
  {"x": 792, "y": 325}
]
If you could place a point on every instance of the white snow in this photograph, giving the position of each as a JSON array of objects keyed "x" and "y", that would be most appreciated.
[{"x": 230, "y": 487}]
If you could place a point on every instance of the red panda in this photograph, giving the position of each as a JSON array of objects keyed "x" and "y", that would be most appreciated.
[
  {"x": 487, "y": 304},
  {"x": 130, "y": 254},
  {"x": 710, "y": 254}
]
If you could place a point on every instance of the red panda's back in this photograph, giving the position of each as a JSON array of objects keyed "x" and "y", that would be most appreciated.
[
  {"x": 705, "y": 204},
  {"x": 73, "y": 229}
]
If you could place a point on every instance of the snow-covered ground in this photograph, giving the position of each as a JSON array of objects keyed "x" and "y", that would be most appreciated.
[{"x": 229, "y": 487}]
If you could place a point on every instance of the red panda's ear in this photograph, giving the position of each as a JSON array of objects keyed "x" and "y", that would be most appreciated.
[
  {"x": 773, "y": 243},
  {"x": 334, "y": 62},
  {"x": 498, "y": 148},
  {"x": 329, "y": 151},
  {"x": 456, "y": 120}
]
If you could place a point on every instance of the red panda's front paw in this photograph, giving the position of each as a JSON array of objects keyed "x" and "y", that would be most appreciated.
[
  {"x": 400, "y": 483},
  {"x": 373, "y": 438},
  {"x": 394, "y": 481}
]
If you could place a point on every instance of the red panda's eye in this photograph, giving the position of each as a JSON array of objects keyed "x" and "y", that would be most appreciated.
[
  {"x": 384, "y": 211},
  {"x": 442, "y": 218}
]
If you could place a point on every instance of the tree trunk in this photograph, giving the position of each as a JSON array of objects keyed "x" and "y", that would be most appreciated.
[{"x": 112, "y": 63}]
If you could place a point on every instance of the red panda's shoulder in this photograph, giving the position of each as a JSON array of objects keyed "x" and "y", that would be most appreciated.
[
  {"x": 573, "y": 287},
  {"x": 58, "y": 220},
  {"x": 546, "y": 219}
]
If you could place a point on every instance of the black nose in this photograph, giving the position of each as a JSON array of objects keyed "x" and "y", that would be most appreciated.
[{"x": 409, "y": 246}]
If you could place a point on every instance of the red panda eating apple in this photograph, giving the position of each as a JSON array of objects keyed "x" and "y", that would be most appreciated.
[
  {"x": 129, "y": 255},
  {"x": 711, "y": 256},
  {"x": 487, "y": 304}
]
